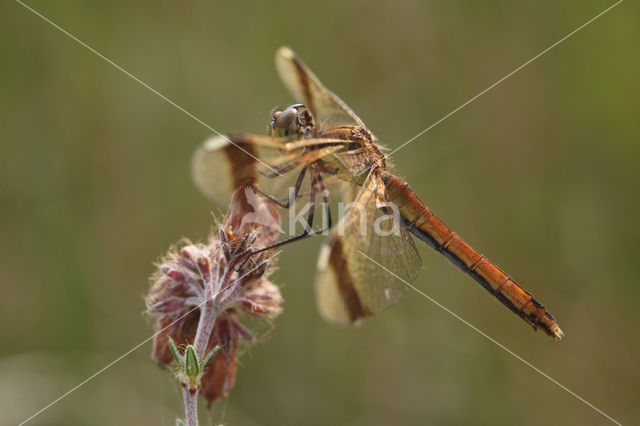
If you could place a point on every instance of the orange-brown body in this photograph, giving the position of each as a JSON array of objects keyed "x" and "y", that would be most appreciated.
[{"x": 426, "y": 226}]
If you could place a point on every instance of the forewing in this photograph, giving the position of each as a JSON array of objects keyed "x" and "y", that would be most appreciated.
[
  {"x": 306, "y": 88},
  {"x": 223, "y": 163},
  {"x": 351, "y": 281}
]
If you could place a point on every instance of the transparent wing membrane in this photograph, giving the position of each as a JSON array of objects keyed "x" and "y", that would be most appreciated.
[
  {"x": 349, "y": 286},
  {"x": 221, "y": 164},
  {"x": 328, "y": 109}
]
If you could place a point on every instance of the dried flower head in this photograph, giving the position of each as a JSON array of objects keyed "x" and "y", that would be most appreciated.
[{"x": 199, "y": 291}]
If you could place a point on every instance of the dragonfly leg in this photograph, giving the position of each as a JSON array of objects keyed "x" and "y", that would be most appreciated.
[
  {"x": 303, "y": 159},
  {"x": 282, "y": 170},
  {"x": 294, "y": 194},
  {"x": 317, "y": 185}
]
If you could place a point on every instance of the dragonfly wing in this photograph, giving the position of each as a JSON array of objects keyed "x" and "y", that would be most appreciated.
[
  {"x": 351, "y": 281},
  {"x": 354, "y": 163},
  {"x": 306, "y": 88},
  {"x": 223, "y": 163}
]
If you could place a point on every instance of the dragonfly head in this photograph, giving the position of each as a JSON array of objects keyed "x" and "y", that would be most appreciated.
[{"x": 294, "y": 121}]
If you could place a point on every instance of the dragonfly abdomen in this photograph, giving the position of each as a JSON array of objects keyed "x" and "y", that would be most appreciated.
[{"x": 425, "y": 225}]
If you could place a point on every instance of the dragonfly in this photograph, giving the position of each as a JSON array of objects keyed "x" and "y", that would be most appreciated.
[{"x": 369, "y": 256}]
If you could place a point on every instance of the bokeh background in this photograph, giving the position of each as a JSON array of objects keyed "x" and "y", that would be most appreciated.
[{"x": 541, "y": 174}]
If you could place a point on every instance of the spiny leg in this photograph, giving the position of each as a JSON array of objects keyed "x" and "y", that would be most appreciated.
[
  {"x": 325, "y": 202},
  {"x": 294, "y": 194},
  {"x": 317, "y": 184},
  {"x": 284, "y": 169},
  {"x": 305, "y": 158}
]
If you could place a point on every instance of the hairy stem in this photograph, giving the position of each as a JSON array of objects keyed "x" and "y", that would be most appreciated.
[
  {"x": 190, "y": 407},
  {"x": 207, "y": 319},
  {"x": 205, "y": 325}
]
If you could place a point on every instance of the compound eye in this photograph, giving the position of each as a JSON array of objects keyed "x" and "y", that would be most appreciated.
[{"x": 286, "y": 118}]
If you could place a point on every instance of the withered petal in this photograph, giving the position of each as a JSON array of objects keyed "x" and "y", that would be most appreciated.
[{"x": 220, "y": 376}]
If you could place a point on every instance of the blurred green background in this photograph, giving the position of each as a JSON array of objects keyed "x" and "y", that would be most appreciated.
[{"x": 541, "y": 174}]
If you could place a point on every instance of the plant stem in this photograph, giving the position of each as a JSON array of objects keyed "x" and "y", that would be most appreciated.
[
  {"x": 205, "y": 325},
  {"x": 207, "y": 319},
  {"x": 208, "y": 314},
  {"x": 190, "y": 407}
]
